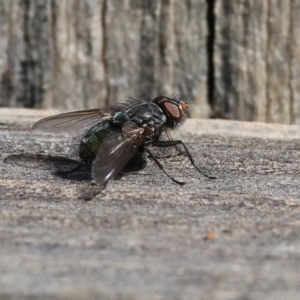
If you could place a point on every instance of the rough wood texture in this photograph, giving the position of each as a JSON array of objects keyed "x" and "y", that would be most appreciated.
[
  {"x": 236, "y": 237},
  {"x": 81, "y": 54},
  {"x": 256, "y": 60},
  {"x": 237, "y": 60}
]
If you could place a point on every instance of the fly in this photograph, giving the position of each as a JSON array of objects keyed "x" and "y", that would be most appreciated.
[{"x": 118, "y": 134}]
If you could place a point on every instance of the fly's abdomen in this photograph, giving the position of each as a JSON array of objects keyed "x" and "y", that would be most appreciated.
[{"x": 93, "y": 139}]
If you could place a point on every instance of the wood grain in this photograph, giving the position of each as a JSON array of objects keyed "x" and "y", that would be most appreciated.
[
  {"x": 235, "y": 60},
  {"x": 144, "y": 237}
]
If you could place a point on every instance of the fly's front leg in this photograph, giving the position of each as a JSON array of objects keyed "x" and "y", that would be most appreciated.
[
  {"x": 180, "y": 152},
  {"x": 179, "y": 142}
]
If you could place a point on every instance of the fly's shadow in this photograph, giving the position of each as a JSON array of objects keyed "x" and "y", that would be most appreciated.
[
  {"x": 67, "y": 168},
  {"x": 63, "y": 167}
]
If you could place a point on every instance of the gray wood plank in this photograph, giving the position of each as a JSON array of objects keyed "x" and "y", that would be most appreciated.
[{"x": 144, "y": 237}]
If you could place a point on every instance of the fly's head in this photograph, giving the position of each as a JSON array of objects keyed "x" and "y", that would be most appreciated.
[{"x": 174, "y": 110}]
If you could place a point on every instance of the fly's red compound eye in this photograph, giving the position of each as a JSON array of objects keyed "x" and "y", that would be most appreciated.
[{"x": 173, "y": 110}]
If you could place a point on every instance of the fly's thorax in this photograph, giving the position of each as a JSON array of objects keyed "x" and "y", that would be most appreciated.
[
  {"x": 93, "y": 139},
  {"x": 146, "y": 114},
  {"x": 119, "y": 118}
]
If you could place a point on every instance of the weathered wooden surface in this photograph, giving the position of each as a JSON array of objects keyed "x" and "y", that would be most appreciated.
[
  {"x": 237, "y": 60},
  {"x": 236, "y": 237},
  {"x": 80, "y": 54},
  {"x": 256, "y": 60}
]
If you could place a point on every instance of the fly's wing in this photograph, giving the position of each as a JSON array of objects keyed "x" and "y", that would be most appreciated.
[
  {"x": 74, "y": 121},
  {"x": 116, "y": 151}
]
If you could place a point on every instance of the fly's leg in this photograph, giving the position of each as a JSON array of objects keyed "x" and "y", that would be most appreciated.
[
  {"x": 179, "y": 142},
  {"x": 161, "y": 166},
  {"x": 180, "y": 152}
]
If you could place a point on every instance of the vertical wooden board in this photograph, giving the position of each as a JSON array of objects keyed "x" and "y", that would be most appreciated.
[
  {"x": 37, "y": 59},
  {"x": 278, "y": 62},
  {"x": 11, "y": 52},
  {"x": 239, "y": 59},
  {"x": 27, "y": 56},
  {"x": 81, "y": 54},
  {"x": 79, "y": 67},
  {"x": 130, "y": 47},
  {"x": 5, "y": 74},
  {"x": 166, "y": 53},
  {"x": 295, "y": 61},
  {"x": 254, "y": 77},
  {"x": 68, "y": 59},
  {"x": 148, "y": 50},
  {"x": 181, "y": 61},
  {"x": 157, "y": 47},
  {"x": 190, "y": 54}
]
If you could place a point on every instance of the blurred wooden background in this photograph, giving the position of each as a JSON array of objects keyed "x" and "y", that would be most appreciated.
[{"x": 231, "y": 59}]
